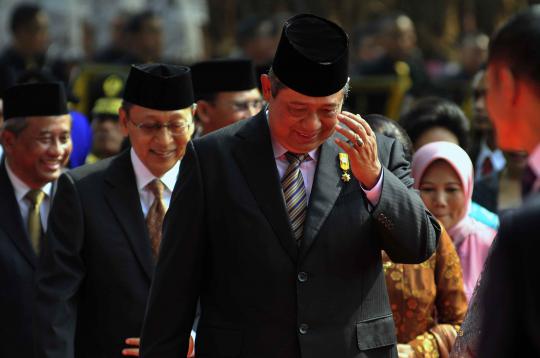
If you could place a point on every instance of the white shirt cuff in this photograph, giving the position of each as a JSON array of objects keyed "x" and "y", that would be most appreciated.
[{"x": 374, "y": 194}]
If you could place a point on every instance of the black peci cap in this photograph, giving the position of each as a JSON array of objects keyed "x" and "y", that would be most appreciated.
[
  {"x": 35, "y": 100},
  {"x": 312, "y": 56},
  {"x": 159, "y": 86},
  {"x": 223, "y": 76}
]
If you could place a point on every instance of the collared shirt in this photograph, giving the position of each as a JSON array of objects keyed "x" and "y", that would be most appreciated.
[
  {"x": 21, "y": 189},
  {"x": 143, "y": 177},
  {"x": 496, "y": 157},
  {"x": 308, "y": 168}
]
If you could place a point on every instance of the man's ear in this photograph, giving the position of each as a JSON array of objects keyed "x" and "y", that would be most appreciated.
[
  {"x": 203, "y": 109},
  {"x": 509, "y": 83},
  {"x": 7, "y": 139},
  {"x": 123, "y": 121},
  {"x": 266, "y": 87}
]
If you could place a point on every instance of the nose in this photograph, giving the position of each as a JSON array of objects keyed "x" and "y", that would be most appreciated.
[
  {"x": 440, "y": 198},
  {"x": 163, "y": 136},
  {"x": 55, "y": 148},
  {"x": 312, "y": 122}
]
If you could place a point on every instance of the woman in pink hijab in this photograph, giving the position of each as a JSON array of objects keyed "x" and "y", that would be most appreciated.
[{"x": 443, "y": 172}]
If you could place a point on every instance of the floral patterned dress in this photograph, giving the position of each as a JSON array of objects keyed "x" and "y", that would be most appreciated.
[{"x": 428, "y": 300}]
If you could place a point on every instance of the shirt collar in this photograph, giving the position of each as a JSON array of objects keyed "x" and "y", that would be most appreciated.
[
  {"x": 144, "y": 176},
  {"x": 534, "y": 160},
  {"x": 20, "y": 187}
]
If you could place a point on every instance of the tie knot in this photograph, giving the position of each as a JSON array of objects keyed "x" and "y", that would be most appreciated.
[
  {"x": 296, "y": 158},
  {"x": 156, "y": 187},
  {"x": 35, "y": 197}
]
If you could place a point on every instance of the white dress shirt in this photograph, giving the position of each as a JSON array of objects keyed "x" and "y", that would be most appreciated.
[
  {"x": 143, "y": 177},
  {"x": 21, "y": 189}
]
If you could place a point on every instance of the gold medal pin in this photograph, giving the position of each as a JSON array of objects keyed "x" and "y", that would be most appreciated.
[{"x": 344, "y": 165}]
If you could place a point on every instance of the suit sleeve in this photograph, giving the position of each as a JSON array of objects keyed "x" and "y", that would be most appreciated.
[
  {"x": 175, "y": 288},
  {"x": 59, "y": 275},
  {"x": 408, "y": 232},
  {"x": 502, "y": 298}
]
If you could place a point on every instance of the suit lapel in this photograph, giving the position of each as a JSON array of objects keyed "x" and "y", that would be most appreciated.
[
  {"x": 255, "y": 159},
  {"x": 326, "y": 188},
  {"x": 11, "y": 220},
  {"x": 122, "y": 195}
]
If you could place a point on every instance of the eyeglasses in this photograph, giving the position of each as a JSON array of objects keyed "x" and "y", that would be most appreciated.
[
  {"x": 176, "y": 128},
  {"x": 240, "y": 106}
]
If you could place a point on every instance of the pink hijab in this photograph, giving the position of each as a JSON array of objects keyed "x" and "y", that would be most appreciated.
[{"x": 471, "y": 238}]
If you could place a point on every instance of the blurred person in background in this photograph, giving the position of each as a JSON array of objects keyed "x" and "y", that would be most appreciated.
[
  {"x": 488, "y": 159},
  {"x": 443, "y": 173},
  {"x": 144, "y": 32},
  {"x": 117, "y": 47},
  {"x": 433, "y": 119},
  {"x": 226, "y": 92},
  {"x": 107, "y": 136},
  {"x": 29, "y": 26},
  {"x": 397, "y": 37}
]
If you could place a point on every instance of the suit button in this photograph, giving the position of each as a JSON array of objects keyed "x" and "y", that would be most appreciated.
[
  {"x": 302, "y": 276},
  {"x": 303, "y": 329}
]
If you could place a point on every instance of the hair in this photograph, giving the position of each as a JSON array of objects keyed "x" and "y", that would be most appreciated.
[
  {"x": 22, "y": 16},
  {"x": 390, "y": 128},
  {"x": 432, "y": 112},
  {"x": 208, "y": 97},
  {"x": 15, "y": 125},
  {"x": 136, "y": 22},
  {"x": 515, "y": 44},
  {"x": 276, "y": 85}
]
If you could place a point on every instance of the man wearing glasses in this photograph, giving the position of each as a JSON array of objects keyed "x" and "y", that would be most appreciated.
[
  {"x": 226, "y": 92},
  {"x": 105, "y": 228}
]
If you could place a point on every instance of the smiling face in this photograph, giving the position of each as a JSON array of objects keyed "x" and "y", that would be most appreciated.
[
  {"x": 442, "y": 193},
  {"x": 298, "y": 122},
  {"x": 39, "y": 152},
  {"x": 158, "y": 150}
]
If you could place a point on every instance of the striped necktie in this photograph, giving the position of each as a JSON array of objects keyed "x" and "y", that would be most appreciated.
[
  {"x": 155, "y": 216},
  {"x": 294, "y": 192},
  {"x": 35, "y": 231}
]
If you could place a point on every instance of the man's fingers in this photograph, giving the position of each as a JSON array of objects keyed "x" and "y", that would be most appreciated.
[
  {"x": 130, "y": 352},
  {"x": 134, "y": 341},
  {"x": 359, "y": 122}
]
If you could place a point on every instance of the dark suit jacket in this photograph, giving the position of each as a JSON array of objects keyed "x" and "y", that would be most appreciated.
[
  {"x": 227, "y": 239},
  {"x": 95, "y": 271},
  {"x": 17, "y": 266},
  {"x": 511, "y": 296}
]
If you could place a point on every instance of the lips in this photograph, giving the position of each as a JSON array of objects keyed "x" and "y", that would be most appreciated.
[
  {"x": 164, "y": 154},
  {"x": 52, "y": 165},
  {"x": 306, "y": 136}
]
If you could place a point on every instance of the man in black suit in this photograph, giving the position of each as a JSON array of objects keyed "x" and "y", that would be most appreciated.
[
  {"x": 37, "y": 147},
  {"x": 104, "y": 231},
  {"x": 510, "y": 311},
  {"x": 277, "y": 277}
]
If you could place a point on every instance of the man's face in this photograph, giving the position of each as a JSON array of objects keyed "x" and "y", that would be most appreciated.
[
  {"x": 107, "y": 136},
  {"x": 157, "y": 147},
  {"x": 228, "y": 108},
  {"x": 481, "y": 119},
  {"x": 35, "y": 37},
  {"x": 40, "y": 151},
  {"x": 151, "y": 38},
  {"x": 298, "y": 122}
]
